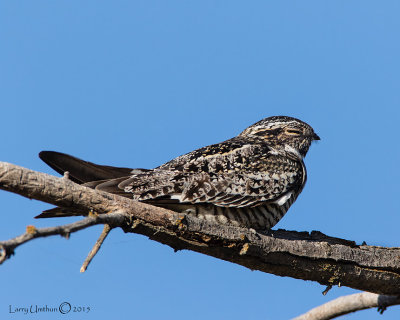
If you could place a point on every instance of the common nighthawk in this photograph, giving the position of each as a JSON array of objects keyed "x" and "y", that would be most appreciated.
[{"x": 250, "y": 180}]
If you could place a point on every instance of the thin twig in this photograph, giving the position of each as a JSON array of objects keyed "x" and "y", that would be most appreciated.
[
  {"x": 349, "y": 304},
  {"x": 96, "y": 247},
  {"x": 7, "y": 247},
  {"x": 328, "y": 287}
]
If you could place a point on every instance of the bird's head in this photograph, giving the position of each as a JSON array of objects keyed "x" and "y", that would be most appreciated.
[{"x": 283, "y": 134}]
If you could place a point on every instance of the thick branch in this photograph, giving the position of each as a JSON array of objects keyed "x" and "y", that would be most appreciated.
[
  {"x": 299, "y": 255},
  {"x": 349, "y": 304}
]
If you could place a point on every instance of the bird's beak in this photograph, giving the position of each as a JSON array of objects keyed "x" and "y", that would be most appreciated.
[{"x": 316, "y": 137}]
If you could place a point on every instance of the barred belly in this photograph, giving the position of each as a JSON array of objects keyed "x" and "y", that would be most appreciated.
[{"x": 260, "y": 217}]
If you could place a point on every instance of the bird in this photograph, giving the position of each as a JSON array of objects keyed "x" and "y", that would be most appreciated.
[{"x": 249, "y": 181}]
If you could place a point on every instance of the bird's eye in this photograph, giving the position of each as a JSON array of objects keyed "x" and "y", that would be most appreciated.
[{"x": 293, "y": 131}]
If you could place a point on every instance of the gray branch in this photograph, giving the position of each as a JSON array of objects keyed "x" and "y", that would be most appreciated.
[
  {"x": 349, "y": 304},
  {"x": 302, "y": 255}
]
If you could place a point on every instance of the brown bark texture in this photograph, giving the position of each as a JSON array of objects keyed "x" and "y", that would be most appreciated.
[{"x": 302, "y": 255}]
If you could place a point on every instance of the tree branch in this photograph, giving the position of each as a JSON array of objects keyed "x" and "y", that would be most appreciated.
[
  {"x": 7, "y": 247},
  {"x": 302, "y": 255},
  {"x": 349, "y": 304},
  {"x": 96, "y": 247}
]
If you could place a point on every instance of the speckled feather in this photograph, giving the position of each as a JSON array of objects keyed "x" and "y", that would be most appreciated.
[{"x": 250, "y": 180}]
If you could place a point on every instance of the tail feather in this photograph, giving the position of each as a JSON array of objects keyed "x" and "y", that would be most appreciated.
[
  {"x": 111, "y": 186},
  {"x": 59, "y": 212},
  {"x": 81, "y": 171},
  {"x": 86, "y": 173}
]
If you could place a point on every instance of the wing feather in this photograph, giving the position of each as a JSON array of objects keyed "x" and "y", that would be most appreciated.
[
  {"x": 234, "y": 189},
  {"x": 229, "y": 174}
]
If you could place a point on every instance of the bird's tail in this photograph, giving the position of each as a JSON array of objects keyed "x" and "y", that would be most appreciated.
[{"x": 81, "y": 172}]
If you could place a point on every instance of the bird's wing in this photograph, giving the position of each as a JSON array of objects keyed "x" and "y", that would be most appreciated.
[
  {"x": 81, "y": 171},
  {"x": 233, "y": 175}
]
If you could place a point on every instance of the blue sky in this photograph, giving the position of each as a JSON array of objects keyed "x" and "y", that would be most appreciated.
[{"x": 137, "y": 83}]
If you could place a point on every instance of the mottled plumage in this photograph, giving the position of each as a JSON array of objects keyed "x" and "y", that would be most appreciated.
[{"x": 250, "y": 180}]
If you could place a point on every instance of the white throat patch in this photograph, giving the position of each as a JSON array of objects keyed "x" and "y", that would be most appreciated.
[{"x": 292, "y": 150}]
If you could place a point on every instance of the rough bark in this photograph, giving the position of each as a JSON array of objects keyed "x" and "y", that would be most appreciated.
[{"x": 302, "y": 255}]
